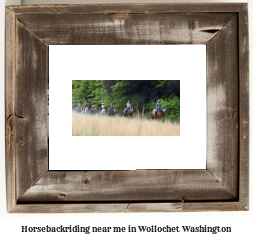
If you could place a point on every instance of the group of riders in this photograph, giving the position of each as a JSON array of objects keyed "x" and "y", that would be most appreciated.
[
  {"x": 93, "y": 107},
  {"x": 158, "y": 107}
]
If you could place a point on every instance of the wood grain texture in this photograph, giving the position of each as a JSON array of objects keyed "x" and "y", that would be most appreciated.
[
  {"x": 30, "y": 108},
  {"x": 9, "y": 109},
  {"x": 186, "y": 207},
  {"x": 129, "y": 207},
  {"x": 129, "y": 8},
  {"x": 140, "y": 185},
  {"x": 244, "y": 106},
  {"x": 222, "y": 107},
  {"x": 120, "y": 29}
]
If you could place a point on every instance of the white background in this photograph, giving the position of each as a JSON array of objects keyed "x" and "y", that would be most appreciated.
[
  {"x": 186, "y": 63},
  {"x": 241, "y": 222}
]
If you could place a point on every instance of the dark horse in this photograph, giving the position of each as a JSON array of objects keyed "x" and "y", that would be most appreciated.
[
  {"x": 112, "y": 112},
  {"x": 93, "y": 111},
  {"x": 160, "y": 113},
  {"x": 129, "y": 112},
  {"x": 79, "y": 110}
]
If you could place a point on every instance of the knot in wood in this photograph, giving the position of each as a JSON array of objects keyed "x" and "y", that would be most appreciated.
[
  {"x": 61, "y": 195},
  {"x": 86, "y": 181}
]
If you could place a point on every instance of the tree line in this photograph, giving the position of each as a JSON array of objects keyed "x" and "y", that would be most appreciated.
[{"x": 142, "y": 94}]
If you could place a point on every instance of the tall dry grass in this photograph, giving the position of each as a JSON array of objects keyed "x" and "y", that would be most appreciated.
[{"x": 87, "y": 125}]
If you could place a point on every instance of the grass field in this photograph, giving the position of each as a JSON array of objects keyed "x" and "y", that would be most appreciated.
[{"x": 87, "y": 125}]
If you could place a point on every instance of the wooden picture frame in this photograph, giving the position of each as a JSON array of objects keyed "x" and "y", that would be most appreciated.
[{"x": 222, "y": 186}]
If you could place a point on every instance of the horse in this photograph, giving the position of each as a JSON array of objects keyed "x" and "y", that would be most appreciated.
[
  {"x": 85, "y": 110},
  {"x": 79, "y": 110},
  {"x": 93, "y": 110},
  {"x": 129, "y": 112},
  {"x": 112, "y": 112},
  {"x": 160, "y": 113},
  {"x": 102, "y": 112}
]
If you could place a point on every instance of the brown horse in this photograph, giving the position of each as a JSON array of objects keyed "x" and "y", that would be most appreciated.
[
  {"x": 160, "y": 113},
  {"x": 112, "y": 112},
  {"x": 79, "y": 110},
  {"x": 93, "y": 111},
  {"x": 129, "y": 112}
]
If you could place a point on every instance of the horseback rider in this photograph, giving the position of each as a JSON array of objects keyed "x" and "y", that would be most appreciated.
[
  {"x": 128, "y": 107},
  {"x": 93, "y": 106},
  {"x": 78, "y": 106},
  {"x": 85, "y": 106},
  {"x": 111, "y": 107},
  {"x": 158, "y": 106},
  {"x": 102, "y": 107}
]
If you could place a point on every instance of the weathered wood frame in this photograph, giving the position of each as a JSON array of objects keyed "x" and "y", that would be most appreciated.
[{"x": 223, "y": 186}]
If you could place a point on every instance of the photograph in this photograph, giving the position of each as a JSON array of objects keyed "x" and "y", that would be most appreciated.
[
  {"x": 126, "y": 108},
  {"x": 136, "y": 73}
]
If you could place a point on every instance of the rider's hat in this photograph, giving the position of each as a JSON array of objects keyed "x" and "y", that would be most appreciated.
[{"x": 158, "y": 100}]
